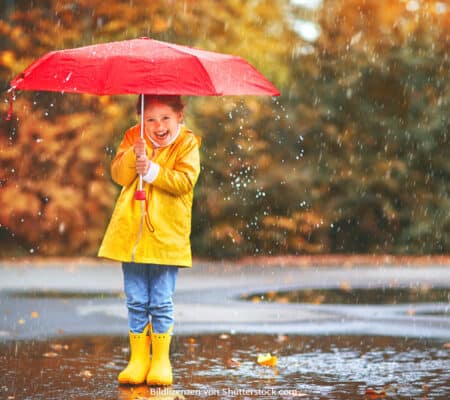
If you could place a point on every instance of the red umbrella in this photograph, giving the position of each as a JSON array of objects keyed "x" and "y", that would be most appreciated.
[{"x": 142, "y": 66}]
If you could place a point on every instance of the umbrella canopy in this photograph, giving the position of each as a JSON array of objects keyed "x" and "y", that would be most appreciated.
[{"x": 143, "y": 66}]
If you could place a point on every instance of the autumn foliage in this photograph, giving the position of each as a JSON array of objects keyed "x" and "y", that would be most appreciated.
[{"x": 353, "y": 157}]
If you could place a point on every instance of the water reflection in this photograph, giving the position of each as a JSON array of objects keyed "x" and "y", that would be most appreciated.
[
  {"x": 224, "y": 367},
  {"x": 347, "y": 295}
]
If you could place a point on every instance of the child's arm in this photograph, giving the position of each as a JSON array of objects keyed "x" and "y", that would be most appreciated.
[
  {"x": 123, "y": 167},
  {"x": 181, "y": 179}
]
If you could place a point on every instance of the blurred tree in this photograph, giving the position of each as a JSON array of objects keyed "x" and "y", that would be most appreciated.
[{"x": 383, "y": 91}]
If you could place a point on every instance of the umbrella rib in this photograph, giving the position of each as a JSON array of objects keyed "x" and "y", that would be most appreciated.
[{"x": 201, "y": 65}]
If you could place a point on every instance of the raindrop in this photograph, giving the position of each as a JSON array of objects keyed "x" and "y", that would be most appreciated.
[
  {"x": 308, "y": 30},
  {"x": 413, "y": 5},
  {"x": 69, "y": 75}
]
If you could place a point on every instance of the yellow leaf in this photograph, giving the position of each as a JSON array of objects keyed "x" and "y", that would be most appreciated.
[
  {"x": 255, "y": 299},
  {"x": 282, "y": 300},
  {"x": 267, "y": 359},
  {"x": 50, "y": 354},
  {"x": 86, "y": 373},
  {"x": 34, "y": 314},
  {"x": 59, "y": 347},
  {"x": 411, "y": 312},
  {"x": 232, "y": 363}
]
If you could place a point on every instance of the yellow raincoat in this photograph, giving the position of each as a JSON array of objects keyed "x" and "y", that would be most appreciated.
[{"x": 162, "y": 237}]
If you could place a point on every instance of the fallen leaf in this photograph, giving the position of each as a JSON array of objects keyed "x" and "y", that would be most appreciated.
[
  {"x": 271, "y": 295},
  {"x": 318, "y": 299},
  {"x": 21, "y": 321},
  {"x": 411, "y": 312},
  {"x": 375, "y": 394},
  {"x": 34, "y": 314},
  {"x": 282, "y": 300},
  {"x": 224, "y": 336},
  {"x": 232, "y": 363},
  {"x": 345, "y": 285},
  {"x": 86, "y": 373},
  {"x": 50, "y": 354},
  {"x": 59, "y": 347},
  {"x": 281, "y": 339},
  {"x": 267, "y": 359},
  {"x": 425, "y": 287}
]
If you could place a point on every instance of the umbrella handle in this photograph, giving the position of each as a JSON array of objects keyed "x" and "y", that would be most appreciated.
[{"x": 140, "y": 193}]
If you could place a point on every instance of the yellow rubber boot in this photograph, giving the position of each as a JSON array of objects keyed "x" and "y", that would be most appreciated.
[
  {"x": 139, "y": 364},
  {"x": 160, "y": 373}
]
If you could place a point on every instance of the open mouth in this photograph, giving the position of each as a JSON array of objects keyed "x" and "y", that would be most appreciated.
[{"x": 161, "y": 135}]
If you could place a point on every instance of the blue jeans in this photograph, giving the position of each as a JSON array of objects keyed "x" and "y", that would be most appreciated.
[{"x": 149, "y": 289}]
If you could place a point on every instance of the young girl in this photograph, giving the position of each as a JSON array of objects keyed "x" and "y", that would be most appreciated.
[{"x": 151, "y": 237}]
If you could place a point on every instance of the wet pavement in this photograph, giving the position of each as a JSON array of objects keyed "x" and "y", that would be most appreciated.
[
  {"x": 224, "y": 367},
  {"x": 48, "y": 299},
  {"x": 63, "y": 334}
]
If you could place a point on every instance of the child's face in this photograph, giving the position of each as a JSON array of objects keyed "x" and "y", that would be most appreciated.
[{"x": 161, "y": 123}]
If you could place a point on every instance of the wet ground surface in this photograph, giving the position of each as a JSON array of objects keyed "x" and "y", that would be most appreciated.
[
  {"x": 224, "y": 367},
  {"x": 359, "y": 332},
  {"x": 53, "y": 299}
]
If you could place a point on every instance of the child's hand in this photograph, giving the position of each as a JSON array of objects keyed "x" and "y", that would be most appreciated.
[
  {"x": 139, "y": 147},
  {"x": 142, "y": 164}
]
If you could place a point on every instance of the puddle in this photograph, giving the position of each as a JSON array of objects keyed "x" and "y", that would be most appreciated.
[
  {"x": 421, "y": 294},
  {"x": 224, "y": 367},
  {"x": 60, "y": 294}
]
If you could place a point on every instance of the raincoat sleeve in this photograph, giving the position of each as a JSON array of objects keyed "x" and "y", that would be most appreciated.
[
  {"x": 123, "y": 167},
  {"x": 181, "y": 179}
]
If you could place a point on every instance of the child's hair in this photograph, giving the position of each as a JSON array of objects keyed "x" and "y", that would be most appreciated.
[{"x": 173, "y": 101}]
